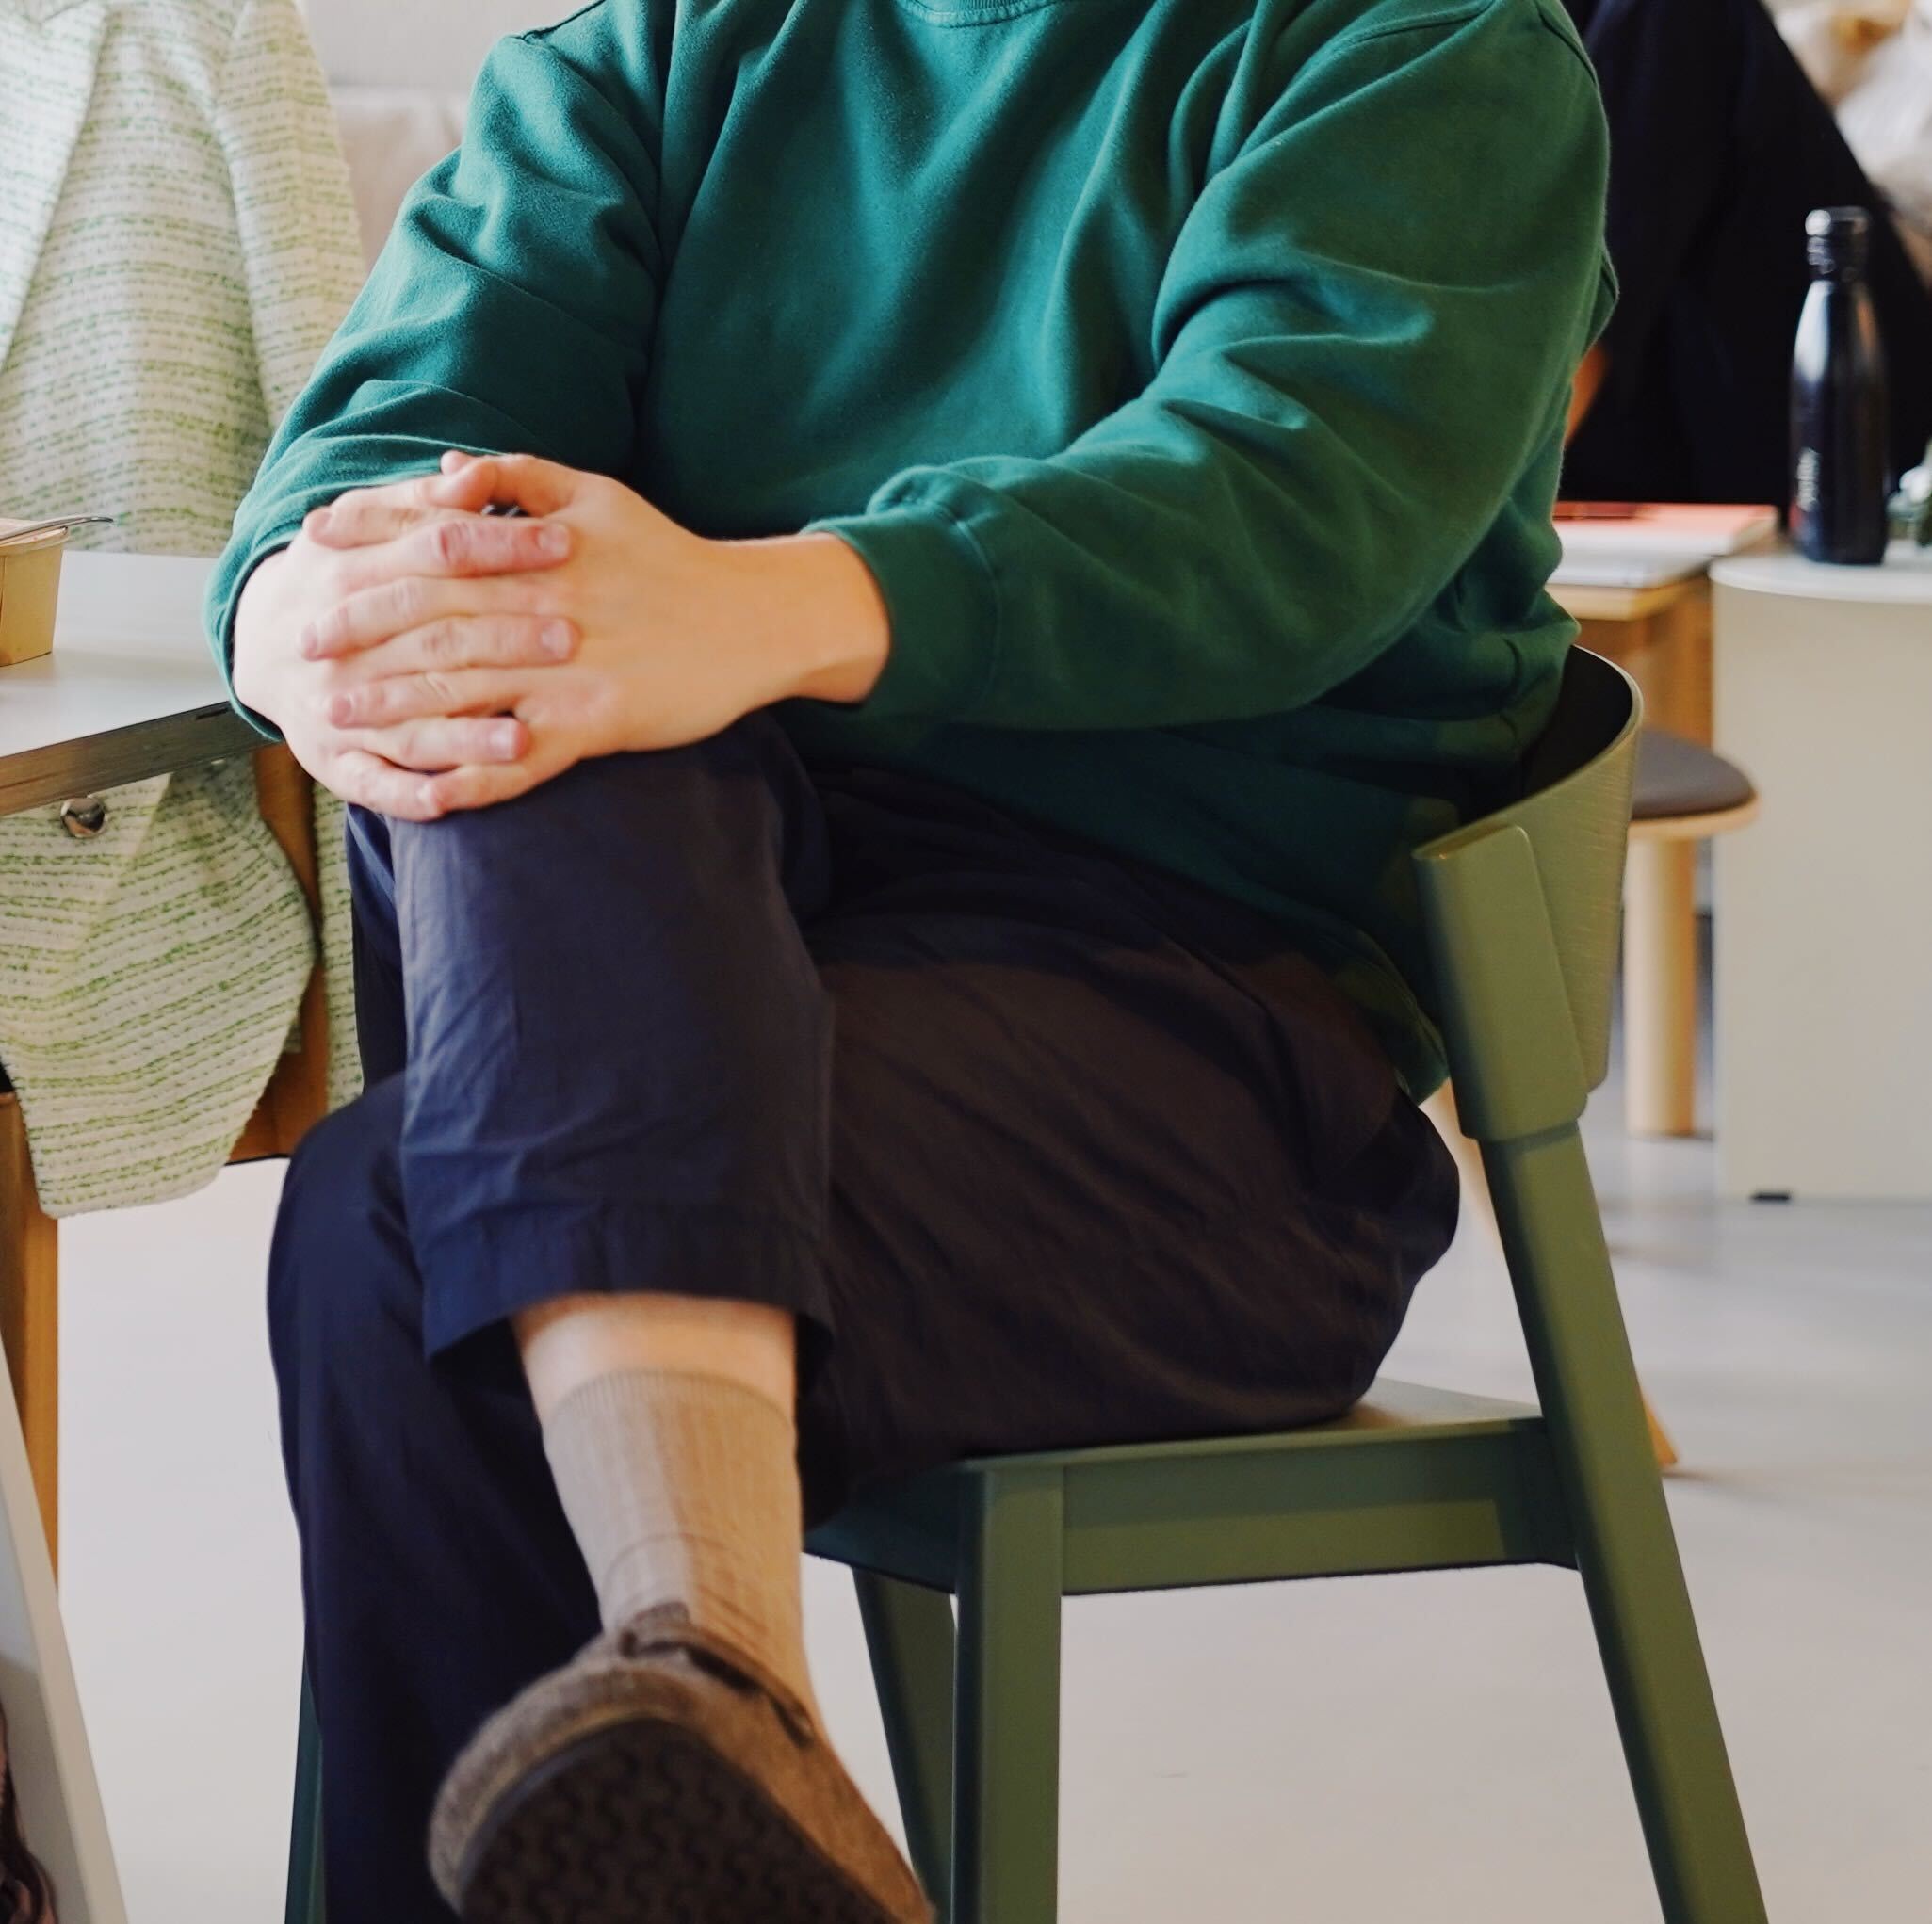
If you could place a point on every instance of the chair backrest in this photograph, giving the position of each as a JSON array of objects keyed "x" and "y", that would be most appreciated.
[{"x": 1523, "y": 910}]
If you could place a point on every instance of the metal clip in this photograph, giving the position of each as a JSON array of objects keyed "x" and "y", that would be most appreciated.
[{"x": 84, "y": 817}]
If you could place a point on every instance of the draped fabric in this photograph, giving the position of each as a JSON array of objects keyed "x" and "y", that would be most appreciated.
[{"x": 177, "y": 244}]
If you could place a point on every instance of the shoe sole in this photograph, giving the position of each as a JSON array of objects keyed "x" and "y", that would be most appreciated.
[{"x": 642, "y": 1823}]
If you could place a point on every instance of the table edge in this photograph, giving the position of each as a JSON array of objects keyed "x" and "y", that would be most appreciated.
[{"x": 86, "y": 763}]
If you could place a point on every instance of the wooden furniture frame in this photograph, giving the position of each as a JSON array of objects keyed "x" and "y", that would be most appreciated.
[{"x": 29, "y": 1242}]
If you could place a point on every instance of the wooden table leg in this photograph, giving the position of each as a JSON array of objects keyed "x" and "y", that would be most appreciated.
[
  {"x": 1660, "y": 988},
  {"x": 29, "y": 1314},
  {"x": 1667, "y": 653},
  {"x": 297, "y": 1096}
]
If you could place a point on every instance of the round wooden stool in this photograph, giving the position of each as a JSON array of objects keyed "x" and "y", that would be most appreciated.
[{"x": 1684, "y": 795}]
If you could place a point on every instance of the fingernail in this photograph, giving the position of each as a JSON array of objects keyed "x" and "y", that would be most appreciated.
[
  {"x": 503, "y": 740},
  {"x": 310, "y": 645},
  {"x": 553, "y": 539},
  {"x": 428, "y": 801},
  {"x": 555, "y": 639},
  {"x": 342, "y": 710},
  {"x": 317, "y": 522}
]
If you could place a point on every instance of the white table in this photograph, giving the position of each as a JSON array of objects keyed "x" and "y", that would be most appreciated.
[
  {"x": 130, "y": 689},
  {"x": 1824, "y": 925}
]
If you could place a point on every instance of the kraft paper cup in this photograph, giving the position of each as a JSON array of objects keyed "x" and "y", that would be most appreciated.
[{"x": 30, "y": 590}]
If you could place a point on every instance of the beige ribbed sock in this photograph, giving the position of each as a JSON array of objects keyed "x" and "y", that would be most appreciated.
[{"x": 683, "y": 1489}]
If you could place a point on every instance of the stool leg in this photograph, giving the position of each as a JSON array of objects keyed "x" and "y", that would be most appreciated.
[
  {"x": 909, "y": 1633},
  {"x": 1660, "y": 1446},
  {"x": 1660, "y": 988},
  {"x": 1006, "y": 1742}
]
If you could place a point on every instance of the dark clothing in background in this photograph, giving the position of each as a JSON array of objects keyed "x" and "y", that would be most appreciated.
[
  {"x": 1719, "y": 147},
  {"x": 1043, "y": 1148}
]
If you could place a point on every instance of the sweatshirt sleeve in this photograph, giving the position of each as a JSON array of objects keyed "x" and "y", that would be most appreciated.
[
  {"x": 510, "y": 311},
  {"x": 1366, "y": 329}
]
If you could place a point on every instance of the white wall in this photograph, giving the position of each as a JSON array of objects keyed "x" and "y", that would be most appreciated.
[{"x": 429, "y": 43}]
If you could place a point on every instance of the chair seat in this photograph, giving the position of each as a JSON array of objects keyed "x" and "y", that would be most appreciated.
[
  {"x": 1413, "y": 1479},
  {"x": 1679, "y": 779},
  {"x": 1412, "y": 1408}
]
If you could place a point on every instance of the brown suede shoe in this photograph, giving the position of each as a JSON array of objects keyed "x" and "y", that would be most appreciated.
[{"x": 661, "y": 1776}]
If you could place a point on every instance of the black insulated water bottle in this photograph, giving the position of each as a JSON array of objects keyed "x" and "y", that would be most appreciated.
[{"x": 1838, "y": 403}]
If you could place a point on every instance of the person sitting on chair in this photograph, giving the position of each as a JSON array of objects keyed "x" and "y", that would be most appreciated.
[{"x": 884, "y": 929}]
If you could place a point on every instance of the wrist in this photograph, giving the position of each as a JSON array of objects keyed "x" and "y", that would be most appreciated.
[
  {"x": 245, "y": 650},
  {"x": 815, "y": 601}
]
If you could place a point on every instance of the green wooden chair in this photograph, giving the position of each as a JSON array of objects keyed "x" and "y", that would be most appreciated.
[{"x": 1522, "y": 910}]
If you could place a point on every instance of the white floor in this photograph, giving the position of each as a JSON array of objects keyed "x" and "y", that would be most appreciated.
[{"x": 1434, "y": 1747}]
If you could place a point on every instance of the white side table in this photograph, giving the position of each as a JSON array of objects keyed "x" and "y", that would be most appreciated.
[{"x": 1823, "y": 928}]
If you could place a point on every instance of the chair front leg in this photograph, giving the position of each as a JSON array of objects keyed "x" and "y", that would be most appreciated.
[
  {"x": 909, "y": 1633},
  {"x": 1006, "y": 1740}
]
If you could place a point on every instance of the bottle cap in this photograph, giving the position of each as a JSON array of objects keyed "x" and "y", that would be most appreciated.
[{"x": 1838, "y": 238}]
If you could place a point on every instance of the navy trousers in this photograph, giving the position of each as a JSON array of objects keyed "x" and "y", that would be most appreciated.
[{"x": 1041, "y": 1149}]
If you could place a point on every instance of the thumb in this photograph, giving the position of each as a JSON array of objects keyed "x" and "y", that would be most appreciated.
[{"x": 536, "y": 486}]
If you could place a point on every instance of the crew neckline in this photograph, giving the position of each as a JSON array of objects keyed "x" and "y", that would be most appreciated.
[{"x": 982, "y": 12}]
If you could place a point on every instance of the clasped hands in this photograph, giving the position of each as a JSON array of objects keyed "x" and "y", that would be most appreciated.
[{"x": 420, "y": 656}]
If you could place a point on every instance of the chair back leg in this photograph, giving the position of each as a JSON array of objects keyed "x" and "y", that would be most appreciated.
[
  {"x": 304, "y": 1903},
  {"x": 1626, "y": 1550},
  {"x": 1006, "y": 1741},
  {"x": 909, "y": 1633},
  {"x": 1440, "y": 1110}
]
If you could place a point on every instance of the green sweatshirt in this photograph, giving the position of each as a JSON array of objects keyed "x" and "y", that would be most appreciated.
[{"x": 1190, "y": 373}]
